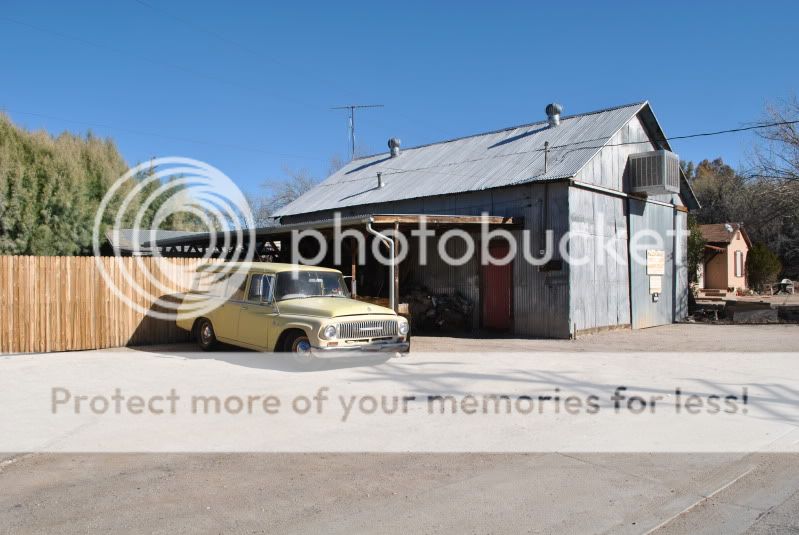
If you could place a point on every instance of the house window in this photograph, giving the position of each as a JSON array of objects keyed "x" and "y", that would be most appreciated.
[{"x": 739, "y": 264}]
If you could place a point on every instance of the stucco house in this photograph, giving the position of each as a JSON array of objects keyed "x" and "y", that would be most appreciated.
[{"x": 726, "y": 247}]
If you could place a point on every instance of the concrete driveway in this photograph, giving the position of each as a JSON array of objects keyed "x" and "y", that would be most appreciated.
[{"x": 429, "y": 493}]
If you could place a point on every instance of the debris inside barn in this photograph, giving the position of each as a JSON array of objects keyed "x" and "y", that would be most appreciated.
[{"x": 438, "y": 312}]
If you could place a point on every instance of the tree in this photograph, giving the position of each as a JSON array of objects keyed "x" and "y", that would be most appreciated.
[
  {"x": 776, "y": 172},
  {"x": 284, "y": 190},
  {"x": 777, "y": 156},
  {"x": 721, "y": 191},
  {"x": 762, "y": 266},
  {"x": 260, "y": 208},
  {"x": 768, "y": 207},
  {"x": 51, "y": 187},
  {"x": 696, "y": 248}
]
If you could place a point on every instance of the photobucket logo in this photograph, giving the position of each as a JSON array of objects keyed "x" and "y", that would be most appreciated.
[
  {"x": 149, "y": 197},
  {"x": 596, "y": 241}
]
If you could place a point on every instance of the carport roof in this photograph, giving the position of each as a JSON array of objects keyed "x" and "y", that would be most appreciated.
[{"x": 275, "y": 232}]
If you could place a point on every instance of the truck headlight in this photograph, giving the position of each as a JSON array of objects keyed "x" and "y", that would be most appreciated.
[
  {"x": 403, "y": 328},
  {"x": 329, "y": 332}
]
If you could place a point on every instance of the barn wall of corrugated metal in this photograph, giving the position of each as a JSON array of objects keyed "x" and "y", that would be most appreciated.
[
  {"x": 438, "y": 277},
  {"x": 599, "y": 276},
  {"x": 541, "y": 297},
  {"x": 500, "y": 202},
  {"x": 659, "y": 220},
  {"x": 609, "y": 167},
  {"x": 681, "y": 266}
]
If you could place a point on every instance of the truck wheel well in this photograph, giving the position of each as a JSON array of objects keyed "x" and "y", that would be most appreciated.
[
  {"x": 286, "y": 335},
  {"x": 194, "y": 326}
]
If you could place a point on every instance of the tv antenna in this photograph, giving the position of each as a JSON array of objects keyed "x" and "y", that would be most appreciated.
[{"x": 352, "y": 108}]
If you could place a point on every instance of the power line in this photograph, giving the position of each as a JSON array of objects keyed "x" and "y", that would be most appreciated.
[
  {"x": 176, "y": 66},
  {"x": 396, "y": 171},
  {"x": 566, "y": 145},
  {"x": 261, "y": 55},
  {"x": 164, "y": 136},
  {"x": 210, "y": 32}
]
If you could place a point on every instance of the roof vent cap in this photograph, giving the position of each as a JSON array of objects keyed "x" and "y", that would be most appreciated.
[
  {"x": 553, "y": 113},
  {"x": 394, "y": 145}
]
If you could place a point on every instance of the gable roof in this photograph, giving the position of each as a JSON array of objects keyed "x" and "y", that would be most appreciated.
[
  {"x": 495, "y": 159},
  {"x": 723, "y": 233}
]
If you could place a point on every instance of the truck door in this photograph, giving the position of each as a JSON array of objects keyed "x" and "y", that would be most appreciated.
[{"x": 257, "y": 312}]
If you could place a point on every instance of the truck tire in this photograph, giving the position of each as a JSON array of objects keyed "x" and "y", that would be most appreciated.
[
  {"x": 297, "y": 343},
  {"x": 206, "y": 337}
]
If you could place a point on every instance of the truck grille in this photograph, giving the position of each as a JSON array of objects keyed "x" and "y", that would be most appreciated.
[{"x": 367, "y": 329}]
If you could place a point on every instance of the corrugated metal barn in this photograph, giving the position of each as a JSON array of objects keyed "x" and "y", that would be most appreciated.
[{"x": 563, "y": 174}]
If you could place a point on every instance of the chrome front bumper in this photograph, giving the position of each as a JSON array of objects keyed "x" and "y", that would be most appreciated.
[{"x": 388, "y": 347}]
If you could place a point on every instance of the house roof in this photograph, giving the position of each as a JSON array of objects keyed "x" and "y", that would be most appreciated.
[
  {"x": 500, "y": 158},
  {"x": 722, "y": 233}
]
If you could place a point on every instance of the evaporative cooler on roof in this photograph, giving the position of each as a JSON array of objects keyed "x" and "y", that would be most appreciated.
[{"x": 655, "y": 173}]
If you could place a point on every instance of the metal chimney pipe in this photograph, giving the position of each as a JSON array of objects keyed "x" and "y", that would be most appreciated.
[
  {"x": 394, "y": 146},
  {"x": 379, "y": 180},
  {"x": 553, "y": 114}
]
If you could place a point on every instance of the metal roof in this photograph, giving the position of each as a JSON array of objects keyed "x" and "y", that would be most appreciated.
[
  {"x": 140, "y": 240},
  {"x": 275, "y": 232},
  {"x": 501, "y": 158}
]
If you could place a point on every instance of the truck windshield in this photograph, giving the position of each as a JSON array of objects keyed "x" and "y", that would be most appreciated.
[{"x": 299, "y": 284}]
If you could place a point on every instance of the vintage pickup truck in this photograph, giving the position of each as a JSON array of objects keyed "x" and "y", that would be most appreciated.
[{"x": 287, "y": 307}]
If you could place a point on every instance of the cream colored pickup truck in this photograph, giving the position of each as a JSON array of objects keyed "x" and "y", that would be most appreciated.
[{"x": 286, "y": 307}]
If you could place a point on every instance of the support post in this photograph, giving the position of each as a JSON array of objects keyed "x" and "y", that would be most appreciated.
[
  {"x": 354, "y": 268},
  {"x": 395, "y": 282},
  {"x": 390, "y": 243}
]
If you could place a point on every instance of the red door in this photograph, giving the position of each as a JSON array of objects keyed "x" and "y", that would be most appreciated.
[{"x": 497, "y": 287}]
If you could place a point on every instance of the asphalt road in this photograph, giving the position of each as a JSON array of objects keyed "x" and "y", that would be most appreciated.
[
  {"x": 424, "y": 493},
  {"x": 400, "y": 493}
]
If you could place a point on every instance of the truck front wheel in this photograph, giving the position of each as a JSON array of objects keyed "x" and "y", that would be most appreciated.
[
  {"x": 206, "y": 338},
  {"x": 297, "y": 342}
]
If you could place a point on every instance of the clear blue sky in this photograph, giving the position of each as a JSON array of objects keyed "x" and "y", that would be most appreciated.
[{"x": 253, "y": 81}]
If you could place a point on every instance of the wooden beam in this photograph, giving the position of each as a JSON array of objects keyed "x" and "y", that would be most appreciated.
[{"x": 414, "y": 219}]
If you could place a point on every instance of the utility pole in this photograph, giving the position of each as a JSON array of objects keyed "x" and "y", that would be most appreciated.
[{"x": 352, "y": 108}]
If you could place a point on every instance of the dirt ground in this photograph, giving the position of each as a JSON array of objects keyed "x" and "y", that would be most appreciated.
[
  {"x": 676, "y": 337},
  {"x": 425, "y": 493}
]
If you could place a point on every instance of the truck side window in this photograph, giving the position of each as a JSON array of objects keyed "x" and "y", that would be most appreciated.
[
  {"x": 269, "y": 289},
  {"x": 256, "y": 288}
]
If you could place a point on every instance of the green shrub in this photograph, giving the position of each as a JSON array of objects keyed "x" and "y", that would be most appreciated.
[{"x": 762, "y": 266}]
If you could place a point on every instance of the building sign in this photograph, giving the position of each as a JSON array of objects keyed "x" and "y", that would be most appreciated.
[
  {"x": 655, "y": 262},
  {"x": 655, "y": 284}
]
